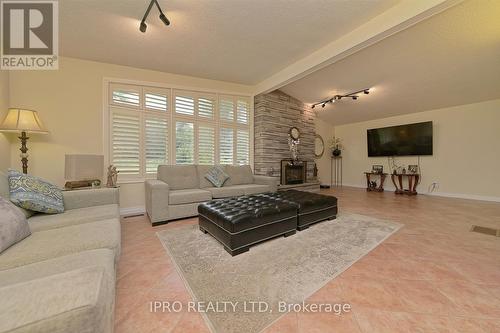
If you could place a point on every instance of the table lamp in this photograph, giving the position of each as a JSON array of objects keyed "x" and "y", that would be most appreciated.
[
  {"x": 83, "y": 170},
  {"x": 23, "y": 121}
]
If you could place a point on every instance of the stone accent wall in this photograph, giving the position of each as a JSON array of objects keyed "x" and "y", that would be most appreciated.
[{"x": 275, "y": 113}]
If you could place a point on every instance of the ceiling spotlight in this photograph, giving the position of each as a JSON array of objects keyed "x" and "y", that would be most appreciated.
[
  {"x": 366, "y": 92},
  {"x": 143, "y": 27},
  {"x": 312, "y": 106},
  {"x": 323, "y": 105},
  {"x": 354, "y": 97},
  {"x": 163, "y": 17}
]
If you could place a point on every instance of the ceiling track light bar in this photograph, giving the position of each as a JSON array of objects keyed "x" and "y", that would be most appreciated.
[
  {"x": 163, "y": 17},
  {"x": 353, "y": 95}
]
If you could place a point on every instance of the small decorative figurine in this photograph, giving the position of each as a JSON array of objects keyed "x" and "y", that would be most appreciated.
[{"x": 112, "y": 176}]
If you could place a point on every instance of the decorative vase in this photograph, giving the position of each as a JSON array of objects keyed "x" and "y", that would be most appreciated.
[{"x": 336, "y": 152}]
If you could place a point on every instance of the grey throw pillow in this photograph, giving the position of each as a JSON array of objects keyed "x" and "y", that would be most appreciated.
[
  {"x": 217, "y": 176},
  {"x": 13, "y": 225}
]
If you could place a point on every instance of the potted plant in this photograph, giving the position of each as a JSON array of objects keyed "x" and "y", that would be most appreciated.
[{"x": 335, "y": 144}]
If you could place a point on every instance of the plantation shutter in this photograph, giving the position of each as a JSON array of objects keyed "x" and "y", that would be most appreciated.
[
  {"x": 242, "y": 111},
  {"x": 226, "y": 108},
  {"x": 184, "y": 103},
  {"x": 226, "y": 146},
  {"x": 156, "y": 101},
  {"x": 206, "y": 145},
  {"x": 126, "y": 141},
  {"x": 125, "y": 95},
  {"x": 155, "y": 142},
  {"x": 242, "y": 147},
  {"x": 206, "y": 106},
  {"x": 184, "y": 142}
]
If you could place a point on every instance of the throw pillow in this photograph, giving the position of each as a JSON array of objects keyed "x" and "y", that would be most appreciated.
[
  {"x": 217, "y": 176},
  {"x": 13, "y": 225},
  {"x": 35, "y": 194}
]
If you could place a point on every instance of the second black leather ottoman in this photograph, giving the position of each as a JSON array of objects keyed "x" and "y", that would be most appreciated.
[
  {"x": 241, "y": 222},
  {"x": 312, "y": 207}
]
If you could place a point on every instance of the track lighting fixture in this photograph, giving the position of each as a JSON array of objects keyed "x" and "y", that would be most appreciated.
[
  {"x": 353, "y": 95},
  {"x": 143, "y": 26}
]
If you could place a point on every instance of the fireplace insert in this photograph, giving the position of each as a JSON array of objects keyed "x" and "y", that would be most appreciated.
[{"x": 293, "y": 172}]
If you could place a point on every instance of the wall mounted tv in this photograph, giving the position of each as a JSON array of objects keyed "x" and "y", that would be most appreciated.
[{"x": 402, "y": 140}]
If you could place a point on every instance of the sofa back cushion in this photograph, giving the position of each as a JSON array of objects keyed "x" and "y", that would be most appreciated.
[
  {"x": 179, "y": 177},
  {"x": 202, "y": 171},
  {"x": 13, "y": 224},
  {"x": 238, "y": 175}
]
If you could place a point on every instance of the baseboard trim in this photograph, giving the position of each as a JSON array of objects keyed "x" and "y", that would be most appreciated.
[
  {"x": 464, "y": 196},
  {"x": 440, "y": 194},
  {"x": 132, "y": 211}
]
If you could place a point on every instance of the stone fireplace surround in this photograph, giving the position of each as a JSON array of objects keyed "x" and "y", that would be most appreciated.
[{"x": 275, "y": 113}]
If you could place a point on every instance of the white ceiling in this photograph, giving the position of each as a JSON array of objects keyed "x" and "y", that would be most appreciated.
[
  {"x": 450, "y": 59},
  {"x": 242, "y": 41}
]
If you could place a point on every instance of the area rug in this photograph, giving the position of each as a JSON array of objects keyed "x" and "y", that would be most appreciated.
[{"x": 281, "y": 270}]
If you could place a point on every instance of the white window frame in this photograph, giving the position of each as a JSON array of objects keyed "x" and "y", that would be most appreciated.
[{"x": 172, "y": 118}]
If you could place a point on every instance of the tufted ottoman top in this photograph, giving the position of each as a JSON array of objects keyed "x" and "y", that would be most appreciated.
[
  {"x": 246, "y": 212},
  {"x": 305, "y": 201}
]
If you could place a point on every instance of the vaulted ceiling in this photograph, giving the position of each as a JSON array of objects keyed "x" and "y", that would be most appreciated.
[{"x": 449, "y": 59}]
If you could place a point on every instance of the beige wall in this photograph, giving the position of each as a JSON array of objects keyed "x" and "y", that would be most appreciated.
[
  {"x": 70, "y": 103},
  {"x": 466, "y": 156},
  {"x": 4, "y": 105},
  {"x": 326, "y": 131}
]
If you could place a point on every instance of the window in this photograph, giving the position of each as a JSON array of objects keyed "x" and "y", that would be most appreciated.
[{"x": 150, "y": 126}]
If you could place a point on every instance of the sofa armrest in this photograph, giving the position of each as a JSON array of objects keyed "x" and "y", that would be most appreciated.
[
  {"x": 157, "y": 193},
  {"x": 272, "y": 182},
  {"x": 91, "y": 197}
]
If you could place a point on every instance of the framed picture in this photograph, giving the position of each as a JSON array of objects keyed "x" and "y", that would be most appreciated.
[
  {"x": 413, "y": 169},
  {"x": 377, "y": 168}
]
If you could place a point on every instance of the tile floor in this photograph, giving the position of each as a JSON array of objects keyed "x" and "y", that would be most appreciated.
[{"x": 433, "y": 275}]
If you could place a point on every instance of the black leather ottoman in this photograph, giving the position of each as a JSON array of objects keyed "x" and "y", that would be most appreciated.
[
  {"x": 241, "y": 222},
  {"x": 312, "y": 207}
]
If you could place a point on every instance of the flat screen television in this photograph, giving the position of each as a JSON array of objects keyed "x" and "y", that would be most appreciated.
[{"x": 402, "y": 140}]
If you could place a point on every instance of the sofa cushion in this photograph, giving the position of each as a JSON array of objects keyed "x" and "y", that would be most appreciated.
[
  {"x": 102, "y": 258},
  {"x": 253, "y": 188},
  {"x": 41, "y": 222},
  {"x": 179, "y": 177},
  {"x": 48, "y": 244},
  {"x": 202, "y": 171},
  {"x": 13, "y": 224},
  {"x": 226, "y": 192},
  {"x": 35, "y": 194},
  {"x": 73, "y": 301},
  {"x": 238, "y": 175},
  {"x": 217, "y": 176},
  {"x": 179, "y": 197}
]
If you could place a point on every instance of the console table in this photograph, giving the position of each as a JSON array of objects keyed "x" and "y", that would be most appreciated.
[
  {"x": 413, "y": 179},
  {"x": 380, "y": 187}
]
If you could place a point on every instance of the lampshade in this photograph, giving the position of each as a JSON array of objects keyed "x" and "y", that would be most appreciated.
[
  {"x": 84, "y": 167},
  {"x": 20, "y": 120}
]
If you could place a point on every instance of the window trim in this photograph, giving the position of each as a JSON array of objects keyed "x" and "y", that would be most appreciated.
[{"x": 106, "y": 115}]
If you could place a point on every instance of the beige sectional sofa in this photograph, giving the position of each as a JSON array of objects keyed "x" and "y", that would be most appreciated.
[
  {"x": 61, "y": 278},
  {"x": 179, "y": 189}
]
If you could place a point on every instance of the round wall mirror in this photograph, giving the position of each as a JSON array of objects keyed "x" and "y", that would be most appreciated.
[{"x": 319, "y": 146}]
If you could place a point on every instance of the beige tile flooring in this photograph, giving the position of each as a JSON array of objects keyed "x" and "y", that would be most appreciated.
[{"x": 433, "y": 275}]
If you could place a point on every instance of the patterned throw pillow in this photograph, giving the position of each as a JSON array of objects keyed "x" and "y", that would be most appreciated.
[
  {"x": 35, "y": 194},
  {"x": 217, "y": 176},
  {"x": 13, "y": 225}
]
